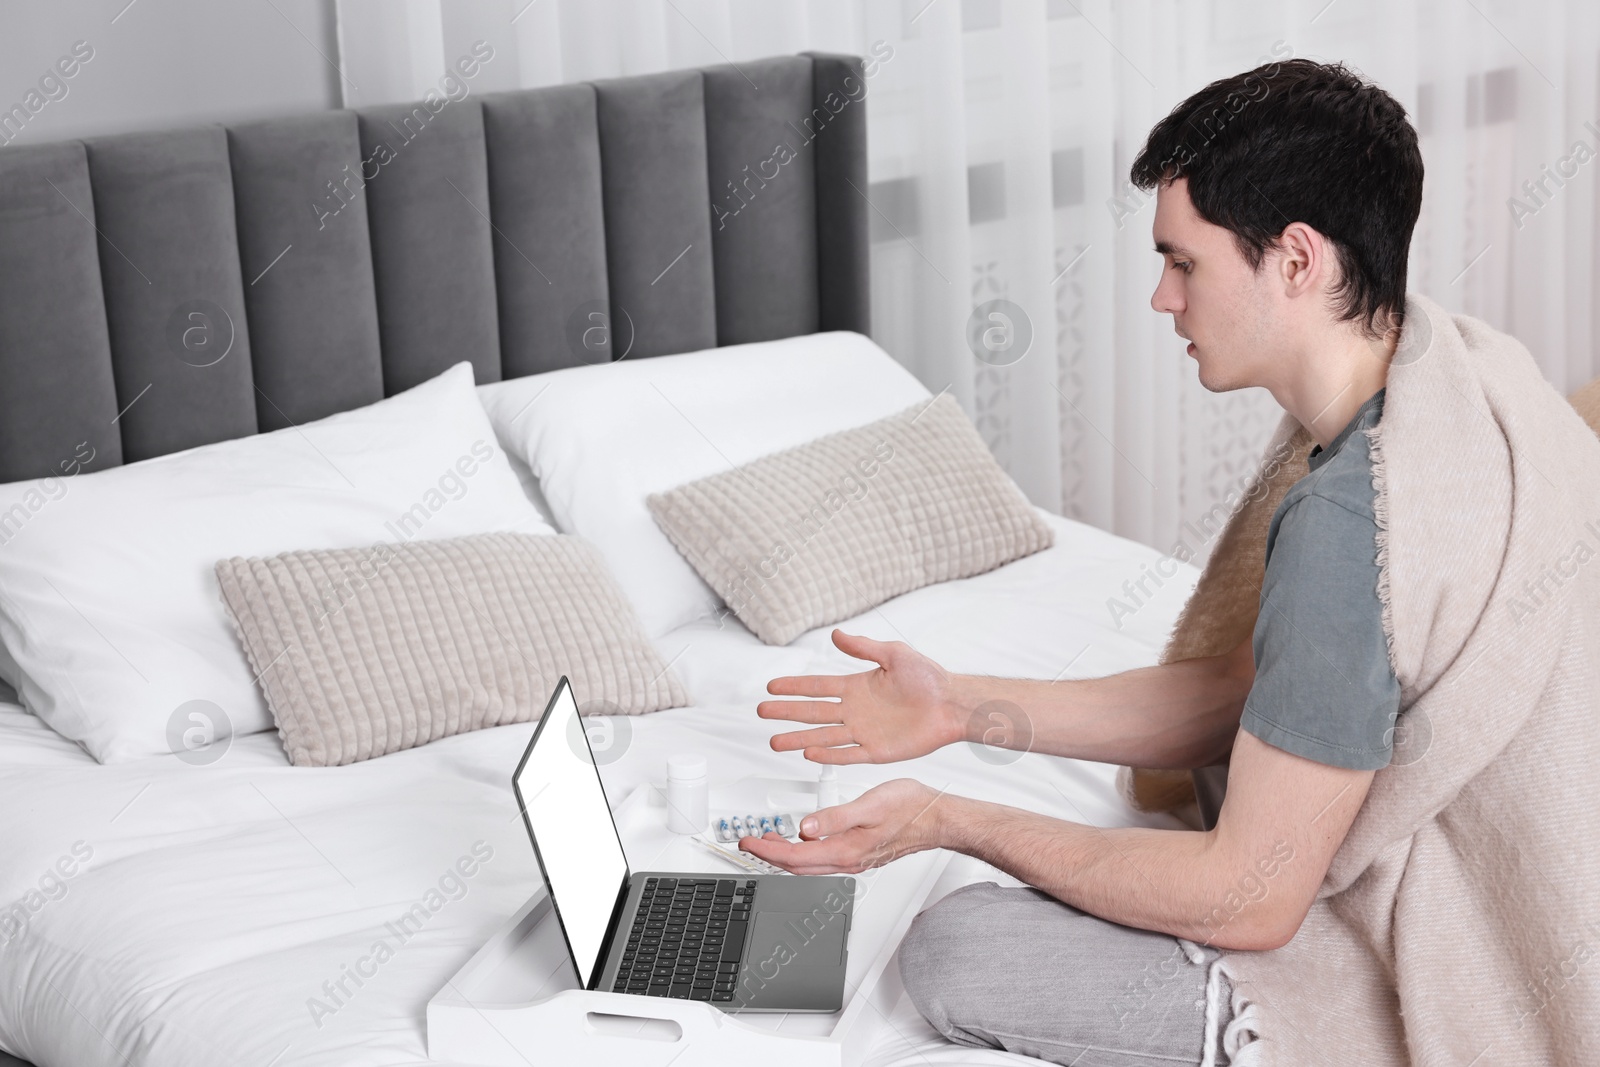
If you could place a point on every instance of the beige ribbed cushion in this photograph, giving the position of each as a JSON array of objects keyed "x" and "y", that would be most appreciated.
[
  {"x": 819, "y": 533},
  {"x": 363, "y": 652}
]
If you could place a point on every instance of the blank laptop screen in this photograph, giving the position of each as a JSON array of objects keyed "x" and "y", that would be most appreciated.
[{"x": 558, "y": 787}]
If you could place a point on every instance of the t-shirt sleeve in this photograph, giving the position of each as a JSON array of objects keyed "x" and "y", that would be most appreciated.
[{"x": 1323, "y": 687}]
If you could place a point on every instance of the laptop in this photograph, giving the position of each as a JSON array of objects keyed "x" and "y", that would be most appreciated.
[{"x": 770, "y": 943}]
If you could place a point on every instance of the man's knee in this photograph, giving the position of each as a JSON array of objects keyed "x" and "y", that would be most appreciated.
[{"x": 939, "y": 954}]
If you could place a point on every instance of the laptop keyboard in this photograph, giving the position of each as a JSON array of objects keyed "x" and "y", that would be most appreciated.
[{"x": 686, "y": 939}]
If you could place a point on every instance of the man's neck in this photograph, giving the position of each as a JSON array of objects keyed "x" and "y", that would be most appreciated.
[{"x": 1333, "y": 384}]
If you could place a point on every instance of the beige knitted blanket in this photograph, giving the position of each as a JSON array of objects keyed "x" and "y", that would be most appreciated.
[{"x": 1459, "y": 923}]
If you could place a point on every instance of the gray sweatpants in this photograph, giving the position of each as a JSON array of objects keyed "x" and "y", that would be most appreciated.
[{"x": 1016, "y": 969}]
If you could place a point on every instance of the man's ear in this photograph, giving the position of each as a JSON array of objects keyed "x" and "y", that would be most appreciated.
[{"x": 1302, "y": 259}]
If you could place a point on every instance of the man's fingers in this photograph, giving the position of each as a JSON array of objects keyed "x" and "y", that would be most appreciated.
[
  {"x": 770, "y": 848},
  {"x": 839, "y": 757},
  {"x": 825, "y": 822},
  {"x": 835, "y": 853},
  {"x": 808, "y": 685},
  {"x": 825, "y": 737},
  {"x": 816, "y": 712}
]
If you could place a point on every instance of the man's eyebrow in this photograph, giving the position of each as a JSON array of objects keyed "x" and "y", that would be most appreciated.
[{"x": 1167, "y": 248}]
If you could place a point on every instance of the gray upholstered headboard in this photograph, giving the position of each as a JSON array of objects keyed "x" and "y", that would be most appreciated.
[{"x": 166, "y": 290}]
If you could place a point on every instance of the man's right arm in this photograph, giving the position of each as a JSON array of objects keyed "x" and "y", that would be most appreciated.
[{"x": 1178, "y": 715}]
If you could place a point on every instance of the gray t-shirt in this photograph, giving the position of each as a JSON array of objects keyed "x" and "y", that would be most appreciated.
[{"x": 1323, "y": 687}]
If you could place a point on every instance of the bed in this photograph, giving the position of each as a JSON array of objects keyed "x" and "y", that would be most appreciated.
[{"x": 207, "y": 906}]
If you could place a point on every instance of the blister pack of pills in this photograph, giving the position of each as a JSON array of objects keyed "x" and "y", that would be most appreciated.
[
  {"x": 725, "y": 831},
  {"x": 730, "y": 828}
]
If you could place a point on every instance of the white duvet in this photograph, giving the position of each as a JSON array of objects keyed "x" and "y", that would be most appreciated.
[{"x": 160, "y": 913}]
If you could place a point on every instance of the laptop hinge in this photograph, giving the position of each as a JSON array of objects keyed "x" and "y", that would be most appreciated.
[{"x": 612, "y": 927}]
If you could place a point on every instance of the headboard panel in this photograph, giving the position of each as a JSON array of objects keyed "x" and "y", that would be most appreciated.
[
  {"x": 764, "y": 214},
  {"x": 658, "y": 211},
  {"x": 844, "y": 285},
  {"x": 544, "y": 192},
  {"x": 163, "y": 203},
  {"x": 432, "y": 255},
  {"x": 309, "y": 296},
  {"x": 56, "y": 389},
  {"x": 162, "y": 291}
]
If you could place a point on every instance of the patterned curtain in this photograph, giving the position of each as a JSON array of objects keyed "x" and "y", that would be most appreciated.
[{"x": 1012, "y": 262}]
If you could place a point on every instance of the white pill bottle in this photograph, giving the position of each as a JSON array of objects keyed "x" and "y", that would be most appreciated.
[{"x": 688, "y": 794}]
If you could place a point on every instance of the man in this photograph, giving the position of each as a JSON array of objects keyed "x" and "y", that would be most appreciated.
[{"x": 1286, "y": 198}]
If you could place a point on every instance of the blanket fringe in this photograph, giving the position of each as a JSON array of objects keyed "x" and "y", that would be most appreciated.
[
  {"x": 1241, "y": 1037},
  {"x": 1380, "y": 516}
]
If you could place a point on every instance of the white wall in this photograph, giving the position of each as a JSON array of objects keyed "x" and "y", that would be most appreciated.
[{"x": 159, "y": 64}]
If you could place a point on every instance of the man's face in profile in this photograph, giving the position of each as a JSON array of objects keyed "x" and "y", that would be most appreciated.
[{"x": 1226, "y": 310}]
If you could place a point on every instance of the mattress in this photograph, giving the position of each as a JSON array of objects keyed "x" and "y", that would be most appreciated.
[{"x": 231, "y": 913}]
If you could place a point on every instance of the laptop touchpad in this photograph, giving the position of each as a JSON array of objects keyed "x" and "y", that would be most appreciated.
[{"x": 795, "y": 959}]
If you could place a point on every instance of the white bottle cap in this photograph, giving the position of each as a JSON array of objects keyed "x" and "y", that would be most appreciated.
[{"x": 686, "y": 767}]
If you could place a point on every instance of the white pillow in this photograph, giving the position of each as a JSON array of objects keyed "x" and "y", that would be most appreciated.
[
  {"x": 601, "y": 438},
  {"x": 109, "y": 604}
]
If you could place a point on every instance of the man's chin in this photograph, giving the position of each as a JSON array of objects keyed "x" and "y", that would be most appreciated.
[{"x": 1215, "y": 382}]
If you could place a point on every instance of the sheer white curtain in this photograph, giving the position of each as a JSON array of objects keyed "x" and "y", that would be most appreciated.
[{"x": 1001, "y": 132}]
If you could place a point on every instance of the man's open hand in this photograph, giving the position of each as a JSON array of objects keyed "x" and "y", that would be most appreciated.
[
  {"x": 898, "y": 711},
  {"x": 884, "y": 823}
]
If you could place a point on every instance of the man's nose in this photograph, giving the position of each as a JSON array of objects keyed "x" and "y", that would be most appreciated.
[
  {"x": 1160, "y": 299},
  {"x": 1165, "y": 299}
]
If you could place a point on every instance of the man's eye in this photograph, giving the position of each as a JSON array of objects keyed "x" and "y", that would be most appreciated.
[{"x": 1183, "y": 264}]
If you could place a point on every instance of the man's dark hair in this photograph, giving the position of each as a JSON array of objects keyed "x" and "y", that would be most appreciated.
[{"x": 1300, "y": 141}]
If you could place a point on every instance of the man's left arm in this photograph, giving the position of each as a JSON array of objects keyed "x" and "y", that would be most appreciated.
[{"x": 1245, "y": 884}]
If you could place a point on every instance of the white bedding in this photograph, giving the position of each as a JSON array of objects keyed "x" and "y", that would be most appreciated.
[{"x": 216, "y": 901}]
